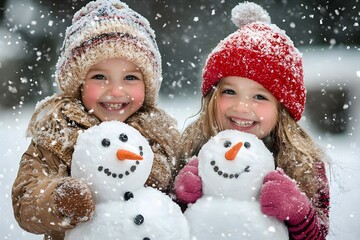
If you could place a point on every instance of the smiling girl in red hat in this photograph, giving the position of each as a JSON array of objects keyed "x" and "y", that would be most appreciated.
[{"x": 253, "y": 82}]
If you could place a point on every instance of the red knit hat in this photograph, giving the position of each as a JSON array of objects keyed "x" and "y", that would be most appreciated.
[{"x": 262, "y": 52}]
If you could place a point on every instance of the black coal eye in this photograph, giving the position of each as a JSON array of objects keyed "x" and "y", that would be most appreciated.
[
  {"x": 123, "y": 137},
  {"x": 247, "y": 144},
  {"x": 139, "y": 219},
  {"x": 105, "y": 142},
  {"x": 227, "y": 144}
]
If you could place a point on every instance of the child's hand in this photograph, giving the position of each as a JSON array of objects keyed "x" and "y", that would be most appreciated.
[
  {"x": 74, "y": 200},
  {"x": 281, "y": 198},
  {"x": 188, "y": 184}
]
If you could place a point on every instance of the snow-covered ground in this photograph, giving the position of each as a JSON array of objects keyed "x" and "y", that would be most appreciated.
[{"x": 343, "y": 149}]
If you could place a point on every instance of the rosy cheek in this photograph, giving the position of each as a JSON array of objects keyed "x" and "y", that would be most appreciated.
[
  {"x": 138, "y": 95},
  {"x": 90, "y": 90},
  {"x": 90, "y": 94},
  {"x": 223, "y": 105},
  {"x": 267, "y": 115}
]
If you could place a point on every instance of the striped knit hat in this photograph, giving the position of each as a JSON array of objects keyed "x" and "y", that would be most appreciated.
[
  {"x": 262, "y": 52},
  {"x": 106, "y": 29}
]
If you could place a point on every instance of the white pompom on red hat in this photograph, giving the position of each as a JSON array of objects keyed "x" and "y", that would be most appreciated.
[
  {"x": 262, "y": 52},
  {"x": 248, "y": 12}
]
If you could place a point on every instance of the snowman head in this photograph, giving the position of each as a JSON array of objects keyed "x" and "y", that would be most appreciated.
[
  {"x": 233, "y": 164},
  {"x": 113, "y": 158}
]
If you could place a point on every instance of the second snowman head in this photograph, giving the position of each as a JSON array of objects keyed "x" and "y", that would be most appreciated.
[{"x": 233, "y": 164}]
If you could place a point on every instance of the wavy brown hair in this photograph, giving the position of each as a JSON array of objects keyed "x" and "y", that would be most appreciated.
[{"x": 293, "y": 149}]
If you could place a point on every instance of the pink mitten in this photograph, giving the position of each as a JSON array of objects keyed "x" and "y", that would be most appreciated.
[
  {"x": 280, "y": 197},
  {"x": 188, "y": 185}
]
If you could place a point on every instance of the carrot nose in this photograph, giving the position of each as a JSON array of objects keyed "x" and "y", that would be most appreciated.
[
  {"x": 127, "y": 155},
  {"x": 232, "y": 152}
]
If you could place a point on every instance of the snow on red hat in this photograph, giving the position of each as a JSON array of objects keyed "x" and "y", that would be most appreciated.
[{"x": 262, "y": 52}]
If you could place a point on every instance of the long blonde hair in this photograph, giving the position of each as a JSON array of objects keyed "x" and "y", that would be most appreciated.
[{"x": 293, "y": 149}]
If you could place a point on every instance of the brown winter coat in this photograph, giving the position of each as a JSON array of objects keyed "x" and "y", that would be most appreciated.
[{"x": 54, "y": 129}]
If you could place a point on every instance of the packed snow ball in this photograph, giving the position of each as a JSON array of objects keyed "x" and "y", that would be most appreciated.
[{"x": 248, "y": 12}]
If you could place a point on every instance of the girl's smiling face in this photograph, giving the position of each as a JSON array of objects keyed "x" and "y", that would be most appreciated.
[
  {"x": 113, "y": 89},
  {"x": 247, "y": 106}
]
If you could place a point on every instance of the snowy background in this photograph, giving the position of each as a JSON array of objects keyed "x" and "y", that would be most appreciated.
[
  {"x": 31, "y": 32},
  {"x": 343, "y": 149}
]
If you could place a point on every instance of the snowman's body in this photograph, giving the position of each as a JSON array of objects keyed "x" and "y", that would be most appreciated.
[
  {"x": 116, "y": 219},
  {"x": 232, "y": 166},
  {"x": 125, "y": 209}
]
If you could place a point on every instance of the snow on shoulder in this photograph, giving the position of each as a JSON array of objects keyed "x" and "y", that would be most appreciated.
[
  {"x": 232, "y": 166},
  {"x": 115, "y": 160}
]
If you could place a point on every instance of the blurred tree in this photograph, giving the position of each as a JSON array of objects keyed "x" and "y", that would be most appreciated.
[
  {"x": 33, "y": 31},
  {"x": 2, "y": 7}
]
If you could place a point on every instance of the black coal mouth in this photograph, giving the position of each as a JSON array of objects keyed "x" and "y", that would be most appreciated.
[
  {"x": 220, "y": 172},
  {"x": 121, "y": 175}
]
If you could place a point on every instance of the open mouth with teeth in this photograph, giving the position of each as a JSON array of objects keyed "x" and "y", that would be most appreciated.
[
  {"x": 241, "y": 123},
  {"x": 114, "y": 106},
  {"x": 220, "y": 172},
  {"x": 112, "y": 174}
]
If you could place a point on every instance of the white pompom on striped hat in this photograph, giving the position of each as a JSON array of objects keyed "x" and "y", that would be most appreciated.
[{"x": 106, "y": 29}]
